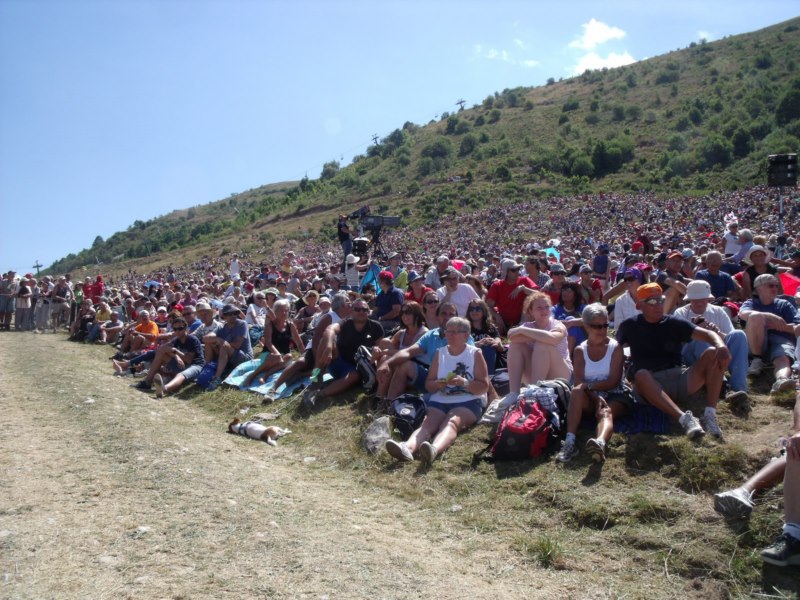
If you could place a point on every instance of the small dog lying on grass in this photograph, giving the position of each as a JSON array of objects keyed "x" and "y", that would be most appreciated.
[{"x": 257, "y": 431}]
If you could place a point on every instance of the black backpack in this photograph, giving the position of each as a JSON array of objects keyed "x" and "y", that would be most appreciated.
[
  {"x": 407, "y": 411},
  {"x": 366, "y": 369}
]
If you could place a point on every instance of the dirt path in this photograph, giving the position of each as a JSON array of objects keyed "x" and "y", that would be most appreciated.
[{"x": 107, "y": 493}]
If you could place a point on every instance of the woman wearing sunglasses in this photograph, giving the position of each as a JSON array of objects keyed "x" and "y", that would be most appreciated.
[
  {"x": 430, "y": 302},
  {"x": 485, "y": 332},
  {"x": 598, "y": 388}
]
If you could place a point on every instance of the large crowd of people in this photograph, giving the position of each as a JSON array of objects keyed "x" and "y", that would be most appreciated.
[{"x": 700, "y": 294}]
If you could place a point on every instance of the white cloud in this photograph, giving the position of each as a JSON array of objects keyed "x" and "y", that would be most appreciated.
[
  {"x": 705, "y": 35},
  {"x": 595, "y": 33},
  {"x": 592, "y": 61},
  {"x": 519, "y": 44},
  {"x": 505, "y": 56}
]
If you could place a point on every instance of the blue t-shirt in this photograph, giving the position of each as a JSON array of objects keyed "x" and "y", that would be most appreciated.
[
  {"x": 560, "y": 313},
  {"x": 232, "y": 334},
  {"x": 431, "y": 341},
  {"x": 782, "y": 308},
  {"x": 386, "y": 300},
  {"x": 721, "y": 284}
]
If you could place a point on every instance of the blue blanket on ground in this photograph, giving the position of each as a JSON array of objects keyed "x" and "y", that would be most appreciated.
[{"x": 240, "y": 373}]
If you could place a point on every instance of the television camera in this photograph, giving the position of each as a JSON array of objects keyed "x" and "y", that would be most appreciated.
[{"x": 374, "y": 224}]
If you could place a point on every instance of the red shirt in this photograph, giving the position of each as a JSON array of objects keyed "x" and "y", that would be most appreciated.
[
  {"x": 409, "y": 295},
  {"x": 509, "y": 308}
]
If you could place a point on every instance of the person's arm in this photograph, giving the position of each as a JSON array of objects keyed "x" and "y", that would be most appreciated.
[
  {"x": 747, "y": 287},
  {"x": 392, "y": 314},
  {"x": 526, "y": 334},
  {"x": 404, "y": 355},
  {"x": 298, "y": 342},
  {"x": 613, "y": 292},
  {"x": 578, "y": 368},
  {"x": 722, "y": 354}
]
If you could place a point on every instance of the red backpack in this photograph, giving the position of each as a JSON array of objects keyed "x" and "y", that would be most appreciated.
[{"x": 524, "y": 432}]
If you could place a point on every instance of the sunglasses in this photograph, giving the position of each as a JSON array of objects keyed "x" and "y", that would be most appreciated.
[
  {"x": 476, "y": 308},
  {"x": 630, "y": 279},
  {"x": 454, "y": 331},
  {"x": 598, "y": 325},
  {"x": 178, "y": 328},
  {"x": 431, "y": 302},
  {"x": 653, "y": 301},
  {"x": 360, "y": 309}
]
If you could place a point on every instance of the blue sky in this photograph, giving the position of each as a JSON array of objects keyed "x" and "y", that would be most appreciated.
[{"x": 112, "y": 111}]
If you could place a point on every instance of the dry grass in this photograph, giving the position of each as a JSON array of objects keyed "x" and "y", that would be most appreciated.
[{"x": 128, "y": 496}]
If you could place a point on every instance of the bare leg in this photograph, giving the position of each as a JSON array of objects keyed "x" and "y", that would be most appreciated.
[
  {"x": 519, "y": 365},
  {"x": 705, "y": 372},
  {"x": 456, "y": 420},
  {"x": 651, "y": 391},
  {"x": 547, "y": 363},
  {"x": 430, "y": 425}
]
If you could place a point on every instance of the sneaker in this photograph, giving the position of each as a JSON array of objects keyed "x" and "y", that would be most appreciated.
[
  {"x": 143, "y": 386},
  {"x": 214, "y": 384},
  {"x": 158, "y": 381},
  {"x": 709, "y": 423},
  {"x": 310, "y": 397},
  {"x": 399, "y": 451},
  {"x": 734, "y": 504},
  {"x": 427, "y": 453},
  {"x": 738, "y": 401},
  {"x": 567, "y": 453},
  {"x": 756, "y": 366},
  {"x": 596, "y": 448},
  {"x": 691, "y": 426},
  {"x": 782, "y": 388},
  {"x": 783, "y": 552}
]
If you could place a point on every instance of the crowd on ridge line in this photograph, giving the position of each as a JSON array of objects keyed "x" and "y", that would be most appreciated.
[{"x": 695, "y": 300}]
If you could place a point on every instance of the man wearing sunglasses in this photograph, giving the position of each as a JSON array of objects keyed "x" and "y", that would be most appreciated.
[
  {"x": 179, "y": 360},
  {"x": 772, "y": 328},
  {"x": 338, "y": 352},
  {"x": 507, "y": 295},
  {"x": 655, "y": 341}
]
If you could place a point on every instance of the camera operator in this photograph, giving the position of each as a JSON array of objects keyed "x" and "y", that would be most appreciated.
[{"x": 345, "y": 238}]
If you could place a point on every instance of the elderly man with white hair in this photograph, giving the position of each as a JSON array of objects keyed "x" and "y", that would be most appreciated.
[
  {"x": 702, "y": 313},
  {"x": 772, "y": 328}
]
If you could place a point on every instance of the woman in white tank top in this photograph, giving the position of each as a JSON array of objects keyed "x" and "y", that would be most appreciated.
[{"x": 597, "y": 390}]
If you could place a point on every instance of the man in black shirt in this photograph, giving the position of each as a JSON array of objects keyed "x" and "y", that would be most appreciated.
[
  {"x": 337, "y": 351},
  {"x": 655, "y": 340}
]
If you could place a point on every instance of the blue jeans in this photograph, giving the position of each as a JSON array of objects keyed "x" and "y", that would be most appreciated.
[{"x": 736, "y": 341}]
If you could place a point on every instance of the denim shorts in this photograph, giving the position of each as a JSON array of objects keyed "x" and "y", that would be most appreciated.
[
  {"x": 475, "y": 405},
  {"x": 776, "y": 346},
  {"x": 340, "y": 368}
]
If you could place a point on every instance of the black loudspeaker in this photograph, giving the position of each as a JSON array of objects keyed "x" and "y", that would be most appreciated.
[{"x": 782, "y": 170}]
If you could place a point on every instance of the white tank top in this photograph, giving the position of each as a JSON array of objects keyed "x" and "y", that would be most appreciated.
[
  {"x": 463, "y": 365},
  {"x": 597, "y": 371}
]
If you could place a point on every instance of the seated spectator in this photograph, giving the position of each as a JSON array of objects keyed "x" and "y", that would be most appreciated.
[
  {"x": 433, "y": 278},
  {"x": 672, "y": 283},
  {"x": 102, "y": 315},
  {"x": 208, "y": 321},
  {"x": 485, "y": 333},
  {"x": 558, "y": 277},
  {"x": 410, "y": 365},
  {"x": 140, "y": 335},
  {"x": 179, "y": 360},
  {"x": 279, "y": 336},
  {"x": 722, "y": 284},
  {"x": 568, "y": 311},
  {"x": 591, "y": 287},
  {"x": 458, "y": 382},
  {"x": 507, "y": 295},
  {"x": 598, "y": 387},
  {"x": 388, "y": 303},
  {"x": 771, "y": 328},
  {"x": 758, "y": 258},
  {"x": 476, "y": 283},
  {"x": 659, "y": 376},
  {"x": 108, "y": 330},
  {"x": 539, "y": 348},
  {"x": 785, "y": 550},
  {"x": 256, "y": 316},
  {"x": 229, "y": 346},
  {"x": 416, "y": 288},
  {"x": 430, "y": 308},
  {"x": 454, "y": 292},
  {"x": 305, "y": 315},
  {"x": 625, "y": 305},
  {"x": 338, "y": 352},
  {"x": 412, "y": 328},
  {"x": 340, "y": 309},
  {"x": 702, "y": 313}
]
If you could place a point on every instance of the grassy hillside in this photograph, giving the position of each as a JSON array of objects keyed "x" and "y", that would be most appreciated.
[{"x": 696, "y": 119}]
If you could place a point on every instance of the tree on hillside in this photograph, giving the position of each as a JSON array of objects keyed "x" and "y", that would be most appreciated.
[
  {"x": 789, "y": 105},
  {"x": 329, "y": 169}
]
